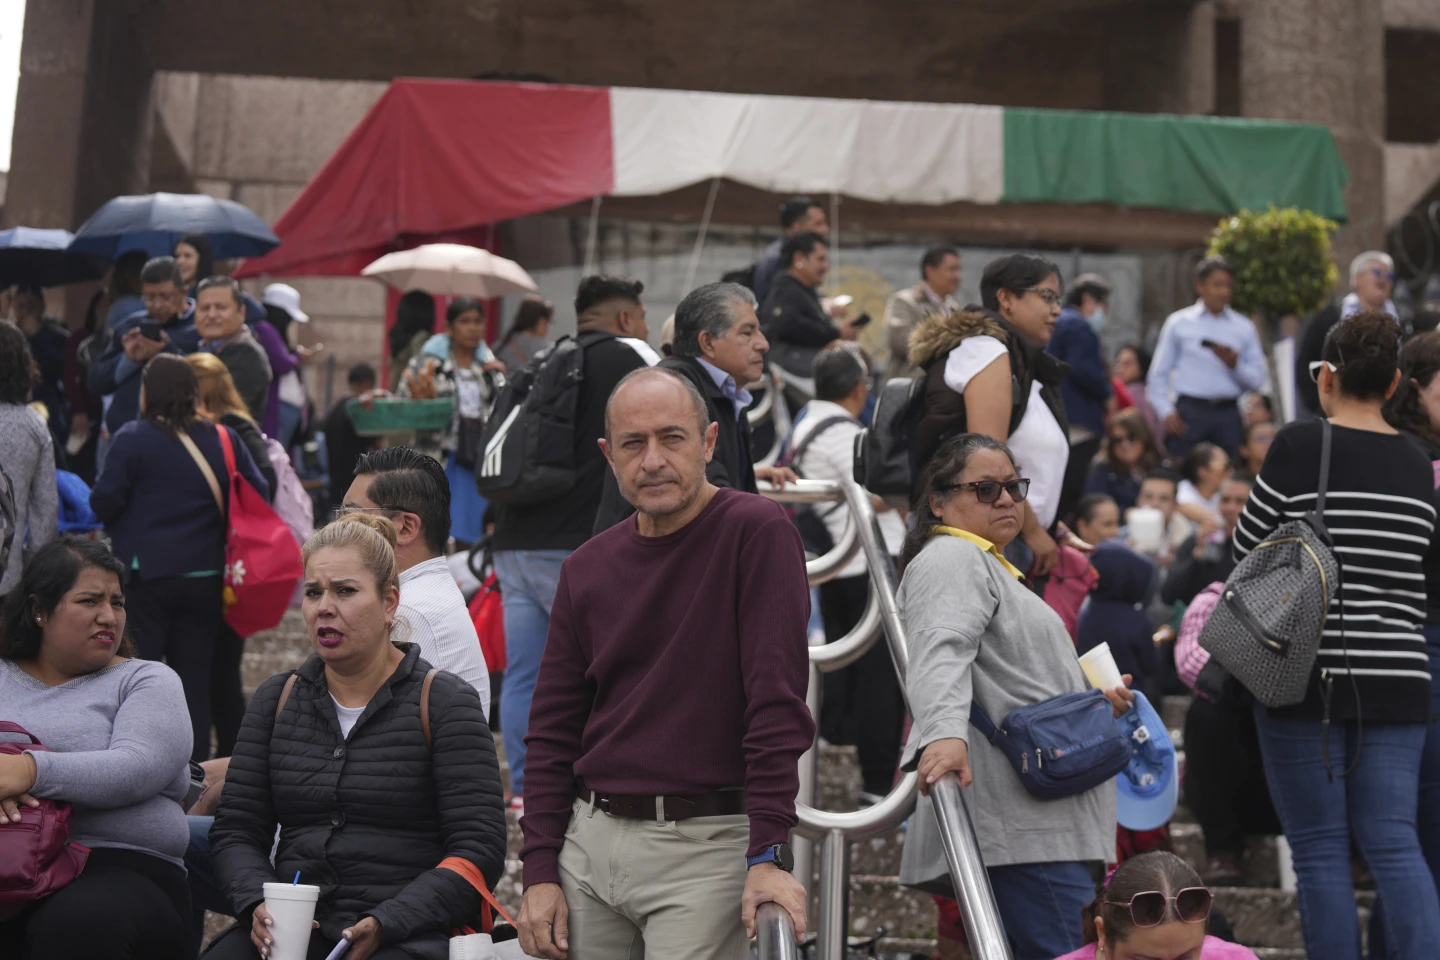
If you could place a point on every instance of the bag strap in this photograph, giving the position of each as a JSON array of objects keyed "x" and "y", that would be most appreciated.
[
  {"x": 285, "y": 693},
  {"x": 225, "y": 448},
  {"x": 980, "y": 720},
  {"x": 476, "y": 879},
  {"x": 1325, "y": 432},
  {"x": 7, "y": 726},
  {"x": 204, "y": 466},
  {"x": 803, "y": 445},
  {"x": 425, "y": 706}
]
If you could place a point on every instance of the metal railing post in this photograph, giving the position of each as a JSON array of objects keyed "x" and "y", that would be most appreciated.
[
  {"x": 967, "y": 872},
  {"x": 802, "y": 849},
  {"x": 832, "y": 920},
  {"x": 775, "y": 933}
]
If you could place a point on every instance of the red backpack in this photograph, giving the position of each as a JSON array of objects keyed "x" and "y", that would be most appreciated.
[
  {"x": 262, "y": 559},
  {"x": 36, "y": 855}
]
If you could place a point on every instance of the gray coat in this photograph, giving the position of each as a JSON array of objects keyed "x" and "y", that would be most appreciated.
[{"x": 976, "y": 631}]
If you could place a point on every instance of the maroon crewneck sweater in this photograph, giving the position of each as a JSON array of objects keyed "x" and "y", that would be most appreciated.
[{"x": 675, "y": 665}]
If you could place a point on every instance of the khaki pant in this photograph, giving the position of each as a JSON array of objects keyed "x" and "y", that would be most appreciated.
[{"x": 638, "y": 888}]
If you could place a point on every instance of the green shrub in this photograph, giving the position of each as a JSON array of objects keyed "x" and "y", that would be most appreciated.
[{"x": 1281, "y": 260}]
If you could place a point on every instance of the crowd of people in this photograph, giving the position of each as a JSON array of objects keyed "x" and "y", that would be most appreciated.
[{"x": 657, "y": 614}]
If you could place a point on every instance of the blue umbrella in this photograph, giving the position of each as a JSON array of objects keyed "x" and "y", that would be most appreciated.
[
  {"x": 156, "y": 221},
  {"x": 41, "y": 258}
]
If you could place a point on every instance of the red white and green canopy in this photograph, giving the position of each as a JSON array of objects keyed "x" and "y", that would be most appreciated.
[{"x": 437, "y": 159}]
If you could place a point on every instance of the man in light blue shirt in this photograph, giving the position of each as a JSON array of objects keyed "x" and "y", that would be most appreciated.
[{"x": 1207, "y": 356}]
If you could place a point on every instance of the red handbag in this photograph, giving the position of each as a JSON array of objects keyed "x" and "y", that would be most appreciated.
[
  {"x": 262, "y": 559},
  {"x": 487, "y": 610},
  {"x": 37, "y": 856}
]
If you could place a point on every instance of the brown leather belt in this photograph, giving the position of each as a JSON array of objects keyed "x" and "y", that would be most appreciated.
[{"x": 722, "y": 803}]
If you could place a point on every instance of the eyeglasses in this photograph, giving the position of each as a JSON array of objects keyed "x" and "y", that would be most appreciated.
[
  {"x": 1315, "y": 366},
  {"x": 343, "y": 511},
  {"x": 1050, "y": 297},
  {"x": 162, "y": 297},
  {"x": 1192, "y": 905},
  {"x": 1387, "y": 275},
  {"x": 1120, "y": 438},
  {"x": 988, "y": 491}
]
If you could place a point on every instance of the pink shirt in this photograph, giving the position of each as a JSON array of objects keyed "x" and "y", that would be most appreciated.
[{"x": 1214, "y": 949}]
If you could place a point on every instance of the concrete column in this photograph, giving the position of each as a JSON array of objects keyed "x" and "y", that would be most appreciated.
[
  {"x": 83, "y": 117},
  {"x": 1323, "y": 61}
]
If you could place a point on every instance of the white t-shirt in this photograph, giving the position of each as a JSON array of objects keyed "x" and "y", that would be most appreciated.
[
  {"x": 434, "y": 609},
  {"x": 1189, "y": 494},
  {"x": 1038, "y": 443},
  {"x": 347, "y": 716},
  {"x": 831, "y": 456}
]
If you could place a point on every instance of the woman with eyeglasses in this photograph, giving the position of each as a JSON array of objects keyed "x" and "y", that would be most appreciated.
[
  {"x": 1152, "y": 906},
  {"x": 1345, "y": 763},
  {"x": 1130, "y": 453},
  {"x": 977, "y": 634},
  {"x": 986, "y": 371}
]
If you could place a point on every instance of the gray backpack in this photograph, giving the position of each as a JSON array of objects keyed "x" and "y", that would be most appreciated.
[{"x": 1267, "y": 627}]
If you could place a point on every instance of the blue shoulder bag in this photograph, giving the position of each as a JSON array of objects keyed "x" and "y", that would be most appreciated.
[{"x": 1062, "y": 746}]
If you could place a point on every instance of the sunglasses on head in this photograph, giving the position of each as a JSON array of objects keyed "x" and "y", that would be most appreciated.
[
  {"x": 988, "y": 491},
  {"x": 1315, "y": 366},
  {"x": 1192, "y": 905}
]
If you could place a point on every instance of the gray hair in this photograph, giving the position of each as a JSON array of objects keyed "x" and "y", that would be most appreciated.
[
  {"x": 702, "y": 411},
  {"x": 1358, "y": 265},
  {"x": 711, "y": 309}
]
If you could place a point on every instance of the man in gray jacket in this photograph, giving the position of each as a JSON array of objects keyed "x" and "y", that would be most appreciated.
[
  {"x": 935, "y": 293},
  {"x": 220, "y": 320}
]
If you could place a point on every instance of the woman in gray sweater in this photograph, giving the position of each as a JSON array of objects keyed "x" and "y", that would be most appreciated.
[
  {"x": 977, "y": 633},
  {"x": 118, "y": 739}
]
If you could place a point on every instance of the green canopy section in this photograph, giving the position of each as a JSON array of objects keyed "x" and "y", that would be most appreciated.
[{"x": 1202, "y": 164}]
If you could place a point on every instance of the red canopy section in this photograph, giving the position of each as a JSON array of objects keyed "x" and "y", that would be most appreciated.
[{"x": 438, "y": 160}]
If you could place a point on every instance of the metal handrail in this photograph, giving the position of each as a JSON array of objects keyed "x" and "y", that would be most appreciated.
[
  {"x": 772, "y": 406},
  {"x": 828, "y": 565},
  {"x": 836, "y": 830},
  {"x": 775, "y": 933}
]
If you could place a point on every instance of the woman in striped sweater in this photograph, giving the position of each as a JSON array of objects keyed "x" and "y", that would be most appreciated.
[{"x": 1375, "y": 676}]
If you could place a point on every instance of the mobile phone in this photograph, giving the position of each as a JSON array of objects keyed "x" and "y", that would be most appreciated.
[
  {"x": 1211, "y": 344},
  {"x": 150, "y": 330},
  {"x": 861, "y": 320}
]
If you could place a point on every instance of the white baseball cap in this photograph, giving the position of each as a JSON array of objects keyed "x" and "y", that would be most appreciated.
[{"x": 287, "y": 298}]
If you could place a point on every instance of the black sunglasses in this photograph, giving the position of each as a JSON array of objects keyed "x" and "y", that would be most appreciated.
[
  {"x": 1192, "y": 905},
  {"x": 988, "y": 491}
]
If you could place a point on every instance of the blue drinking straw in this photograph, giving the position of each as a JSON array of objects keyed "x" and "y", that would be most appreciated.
[{"x": 296, "y": 881}]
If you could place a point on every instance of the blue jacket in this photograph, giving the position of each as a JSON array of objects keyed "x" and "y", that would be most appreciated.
[
  {"x": 115, "y": 374},
  {"x": 1087, "y": 387},
  {"x": 157, "y": 506},
  {"x": 1124, "y": 489},
  {"x": 1115, "y": 612}
]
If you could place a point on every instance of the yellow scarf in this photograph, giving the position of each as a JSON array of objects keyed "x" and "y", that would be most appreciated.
[{"x": 985, "y": 545}]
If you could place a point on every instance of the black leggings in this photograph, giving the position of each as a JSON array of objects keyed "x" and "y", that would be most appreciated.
[
  {"x": 178, "y": 619},
  {"x": 234, "y": 944},
  {"x": 125, "y": 904},
  {"x": 227, "y": 696}
]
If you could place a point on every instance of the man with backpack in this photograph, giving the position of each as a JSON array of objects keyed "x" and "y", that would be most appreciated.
[
  {"x": 572, "y": 381},
  {"x": 862, "y": 704},
  {"x": 717, "y": 346}
]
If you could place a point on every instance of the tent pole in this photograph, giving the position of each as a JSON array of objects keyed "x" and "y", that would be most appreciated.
[
  {"x": 834, "y": 230},
  {"x": 592, "y": 235},
  {"x": 700, "y": 236}
]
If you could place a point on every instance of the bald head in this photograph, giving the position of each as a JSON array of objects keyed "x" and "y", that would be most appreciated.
[{"x": 656, "y": 389}]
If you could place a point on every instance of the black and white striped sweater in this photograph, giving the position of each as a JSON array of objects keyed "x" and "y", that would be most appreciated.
[{"x": 1380, "y": 509}]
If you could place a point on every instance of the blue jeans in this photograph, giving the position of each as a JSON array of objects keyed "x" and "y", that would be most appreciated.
[
  {"x": 1040, "y": 906},
  {"x": 1376, "y": 805},
  {"x": 528, "y": 579},
  {"x": 1428, "y": 817},
  {"x": 290, "y": 416},
  {"x": 205, "y": 893}
]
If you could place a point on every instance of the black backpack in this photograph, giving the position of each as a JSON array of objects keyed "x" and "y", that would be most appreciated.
[
  {"x": 527, "y": 455},
  {"x": 809, "y": 518},
  {"x": 883, "y": 450}
]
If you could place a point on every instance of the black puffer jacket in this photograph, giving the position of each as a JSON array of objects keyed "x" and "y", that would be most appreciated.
[{"x": 369, "y": 817}]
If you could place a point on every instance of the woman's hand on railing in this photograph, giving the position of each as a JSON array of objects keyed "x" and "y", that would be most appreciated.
[
  {"x": 776, "y": 475},
  {"x": 951, "y": 755},
  {"x": 767, "y": 883}
]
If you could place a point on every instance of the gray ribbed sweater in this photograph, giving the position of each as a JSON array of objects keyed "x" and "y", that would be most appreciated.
[{"x": 119, "y": 742}]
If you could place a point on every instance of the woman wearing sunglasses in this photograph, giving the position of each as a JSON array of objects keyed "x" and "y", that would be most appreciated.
[
  {"x": 1345, "y": 763},
  {"x": 976, "y": 633},
  {"x": 1153, "y": 907},
  {"x": 978, "y": 363},
  {"x": 1130, "y": 453}
]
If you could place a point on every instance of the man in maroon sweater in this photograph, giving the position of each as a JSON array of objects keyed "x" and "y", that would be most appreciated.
[{"x": 669, "y": 716}]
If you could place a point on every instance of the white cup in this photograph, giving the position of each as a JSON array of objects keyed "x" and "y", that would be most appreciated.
[
  {"x": 1147, "y": 529},
  {"x": 1099, "y": 666},
  {"x": 292, "y": 910}
]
